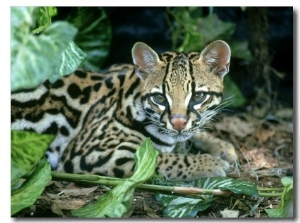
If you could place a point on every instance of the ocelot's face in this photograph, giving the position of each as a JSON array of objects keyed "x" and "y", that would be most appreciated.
[
  {"x": 177, "y": 96},
  {"x": 178, "y": 88}
]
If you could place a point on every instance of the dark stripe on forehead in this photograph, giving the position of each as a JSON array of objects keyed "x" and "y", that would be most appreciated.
[
  {"x": 191, "y": 68},
  {"x": 166, "y": 85},
  {"x": 168, "y": 56},
  {"x": 192, "y": 76},
  {"x": 164, "y": 79},
  {"x": 193, "y": 56}
]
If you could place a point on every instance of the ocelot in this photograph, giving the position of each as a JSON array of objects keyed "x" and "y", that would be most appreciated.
[{"x": 100, "y": 119}]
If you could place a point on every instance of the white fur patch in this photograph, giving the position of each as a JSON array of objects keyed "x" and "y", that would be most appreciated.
[
  {"x": 202, "y": 88},
  {"x": 53, "y": 158},
  {"x": 156, "y": 90},
  {"x": 28, "y": 96},
  {"x": 169, "y": 100},
  {"x": 43, "y": 124},
  {"x": 187, "y": 99}
]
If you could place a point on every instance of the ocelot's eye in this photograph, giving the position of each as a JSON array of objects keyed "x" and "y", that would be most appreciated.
[
  {"x": 199, "y": 97},
  {"x": 159, "y": 99}
]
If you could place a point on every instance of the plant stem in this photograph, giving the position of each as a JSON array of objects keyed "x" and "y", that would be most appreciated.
[
  {"x": 269, "y": 189},
  {"x": 187, "y": 191},
  {"x": 93, "y": 179},
  {"x": 269, "y": 194},
  {"x": 110, "y": 181}
]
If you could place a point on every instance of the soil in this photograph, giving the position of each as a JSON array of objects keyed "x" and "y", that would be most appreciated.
[{"x": 265, "y": 148}]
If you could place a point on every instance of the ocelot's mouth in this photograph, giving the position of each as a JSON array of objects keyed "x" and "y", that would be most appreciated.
[{"x": 181, "y": 136}]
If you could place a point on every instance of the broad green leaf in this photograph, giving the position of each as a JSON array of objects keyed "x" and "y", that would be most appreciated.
[
  {"x": 177, "y": 207},
  {"x": 239, "y": 187},
  {"x": 27, "y": 149},
  {"x": 94, "y": 34},
  {"x": 225, "y": 183},
  {"x": 211, "y": 28},
  {"x": 71, "y": 59},
  {"x": 199, "y": 31},
  {"x": 117, "y": 202},
  {"x": 182, "y": 207},
  {"x": 240, "y": 49},
  {"x": 33, "y": 187},
  {"x": 22, "y": 19},
  {"x": 34, "y": 57},
  {"x": 285, "y": 208}
]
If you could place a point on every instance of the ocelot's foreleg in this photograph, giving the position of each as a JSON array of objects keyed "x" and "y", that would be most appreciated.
[
  {"x": 215, "y": 147},
  {"x": 190, "y": 167}
]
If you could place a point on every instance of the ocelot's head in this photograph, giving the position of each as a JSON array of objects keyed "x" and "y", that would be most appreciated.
[{"x": 179, "y": 88}]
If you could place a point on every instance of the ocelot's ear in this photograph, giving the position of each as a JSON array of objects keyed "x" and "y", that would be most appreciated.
[
  {"x": 217, "y": 56},
  {"x": 145, "y": 59}
]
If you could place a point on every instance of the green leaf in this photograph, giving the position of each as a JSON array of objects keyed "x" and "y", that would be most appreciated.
[
  {"x": 225, "y": 183},
  {"x": 117, "y": 202},
  {"x": 285, "y": 208},
  {"x": 178, "y": 207},
  {"x": 240, "y": 49},
  {"x": 32, "y": 188},
  {"x": 46, "y": 13},
  {"x": 35, "y": 57},
  {"x": 234, "y": 185},
  {"x": 27, "y": 149},
  {"x": 71, "y": 58},
  {"x": 182, "y": 207},
  {"x": 94, "y": 34},
  {"x": 211, "y": 28},
  {"x": 233, "y": 93},
  {"x": 198, "y": 31}
]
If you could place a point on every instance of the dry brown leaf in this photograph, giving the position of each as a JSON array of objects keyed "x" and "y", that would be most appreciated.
[
  {"x": 258, "y": 159},
  {"x": 80, "y": 191},
  {"x": 53, "y": 196},
  {"x": 264, "y": 135},
  {"x": 70, "y": 204},
  {"x": 72, "y": 186},
  {"x": 56, "y": 210}
]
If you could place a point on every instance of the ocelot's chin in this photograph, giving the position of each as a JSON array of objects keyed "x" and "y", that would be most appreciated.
[{"x": 181, "y": 137}]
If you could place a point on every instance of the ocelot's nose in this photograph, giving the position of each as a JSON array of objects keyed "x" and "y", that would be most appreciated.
[{"x": 178, "y": 121}]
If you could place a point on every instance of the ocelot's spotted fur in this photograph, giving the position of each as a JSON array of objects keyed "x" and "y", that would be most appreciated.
[{"x": 100, "y": 119}]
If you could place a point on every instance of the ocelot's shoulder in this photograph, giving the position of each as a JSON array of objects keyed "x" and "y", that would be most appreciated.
[{"x": 82, "y": 79}]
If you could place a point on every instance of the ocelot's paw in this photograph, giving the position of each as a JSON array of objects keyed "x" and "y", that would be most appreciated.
[
  {"x": 222, "y": 149},
  {"x": 215, "y": 147},
  {"x": 190, "y": 167}
]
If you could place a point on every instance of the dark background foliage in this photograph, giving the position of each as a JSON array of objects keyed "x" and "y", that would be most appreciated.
[{"x": 149, "y": 25}]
